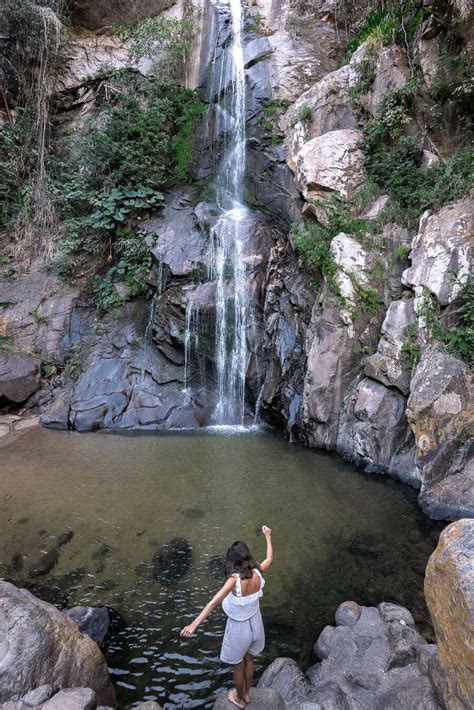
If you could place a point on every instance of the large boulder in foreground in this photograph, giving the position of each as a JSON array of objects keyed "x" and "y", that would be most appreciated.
[
  {"x": 19, "y": 377},
  {"x": 449, "y": 592},
  {"x": 40, "y": 645}
]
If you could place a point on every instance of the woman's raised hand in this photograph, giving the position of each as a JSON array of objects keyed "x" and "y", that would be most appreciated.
[{"x": 266, "y": 531}]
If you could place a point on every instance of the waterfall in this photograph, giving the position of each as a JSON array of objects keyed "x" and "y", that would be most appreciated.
[
  {"x": 227, "y": 240},
  {"x": 226, "y": 136}
]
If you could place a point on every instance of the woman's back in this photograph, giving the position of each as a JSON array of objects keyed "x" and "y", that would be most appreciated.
[{"x": 241, "y": 604}]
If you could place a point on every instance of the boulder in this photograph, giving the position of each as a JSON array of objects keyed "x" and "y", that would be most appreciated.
[
  {"x": 261, "y": 699},
  {"x": 332, "y": 162},
  {"x": 388, "y": 365},
  {"x": 172, "y": 561},
  {"x": 40, "y": 645},
  {"x": 417, "y": 693},
  {"x": 441, "y": 252},
  {"x": 38, "y": 695},
  {"x": 449, "y": 592},
  {"x": 285, "y": 677},
  {"x": 91, "y": 620},
  {"x": 148, "y": 705},
  {"x": 347, "y": 614},
  {"x": 72, "y": 699},
  {"x": 19, "y": 377},
  {"x": 327, "y": 109}
]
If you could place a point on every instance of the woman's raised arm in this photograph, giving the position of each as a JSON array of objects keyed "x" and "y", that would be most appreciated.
[{"x": 269, "y": 558}]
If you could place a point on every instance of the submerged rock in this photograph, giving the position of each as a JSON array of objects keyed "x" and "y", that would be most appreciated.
[
  {"x": 172, "y": 561},
  {"x": 40, "y": 645},
  {"x": 217, "y": 567}
]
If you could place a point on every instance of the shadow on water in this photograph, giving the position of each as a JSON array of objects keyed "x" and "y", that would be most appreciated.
[{"x": 152, "y": 517}]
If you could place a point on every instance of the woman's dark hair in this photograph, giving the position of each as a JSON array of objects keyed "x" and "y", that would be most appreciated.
[{"x": 239, "y": 559}]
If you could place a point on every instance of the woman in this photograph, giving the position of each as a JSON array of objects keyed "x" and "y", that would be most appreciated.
[{"x": 244, "y": 635}]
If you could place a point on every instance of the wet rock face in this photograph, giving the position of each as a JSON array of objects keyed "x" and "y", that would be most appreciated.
[
  {"x": 449, "y": 592},
  {"x": 40, "y": 645},
  {"x": 369, "y": 660}
]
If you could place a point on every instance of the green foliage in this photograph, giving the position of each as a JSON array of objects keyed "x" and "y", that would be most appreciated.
[
  {"x": 397, "y": 22},
  {"x": 167, "y": 39},
  {"x": 394, "y": 161},
  {"x": 410, "y": 354},
  {"x": 120, "y": 205},
  {"x": 145, "y": 138},
  {"x": 269, "y": 119},
  {"x": 312, "y": 241},
  {"x": 403, "y": 252},
  {"x": 368, "y": 302},
  {"x": 111, "y": 177},
  {"x": 459, "y": 340},
  {"x": 305, "y": 113}
]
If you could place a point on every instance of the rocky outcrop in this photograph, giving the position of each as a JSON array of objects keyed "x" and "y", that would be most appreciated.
[
  {"x": 441, "y": 415},
  {"x": 374, "y": 658},
  {"x": 40, "y": 645},
  {"x": 441, "y": 253},
  {"x": 449, "y": 591},
  {"x": 94, "y": 15},
  {"x": 331, "y": 162}
]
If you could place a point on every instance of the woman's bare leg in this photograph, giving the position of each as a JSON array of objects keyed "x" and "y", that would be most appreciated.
[
  {"x": 236, "y": 695},
  {"x": 249, "y": 669}
]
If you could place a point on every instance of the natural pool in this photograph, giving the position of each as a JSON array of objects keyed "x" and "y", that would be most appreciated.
[{"x": 338, "y": 534}]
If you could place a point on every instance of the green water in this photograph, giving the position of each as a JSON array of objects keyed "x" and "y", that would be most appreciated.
[{"x": 338, "y": 535}]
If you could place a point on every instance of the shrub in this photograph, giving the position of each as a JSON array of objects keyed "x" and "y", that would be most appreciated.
[{"x": 305, "y": 113}]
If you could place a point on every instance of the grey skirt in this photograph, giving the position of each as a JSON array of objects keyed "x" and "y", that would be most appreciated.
[{"x": 242, "y": 637}]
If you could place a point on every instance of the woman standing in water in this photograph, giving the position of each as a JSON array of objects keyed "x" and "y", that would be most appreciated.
[{"x": 244, "y": 635}]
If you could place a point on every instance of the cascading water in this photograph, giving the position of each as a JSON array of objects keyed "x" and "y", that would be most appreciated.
[{"x": 227, "y": 235}]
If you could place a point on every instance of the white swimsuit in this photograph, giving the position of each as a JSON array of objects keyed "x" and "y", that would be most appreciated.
[{"x": 244, "y": 632}]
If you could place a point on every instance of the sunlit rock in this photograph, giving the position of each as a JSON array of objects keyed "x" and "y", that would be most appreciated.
[
  {"x": 331, "y": 162},
  {"x": 449, "y": 591}
]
